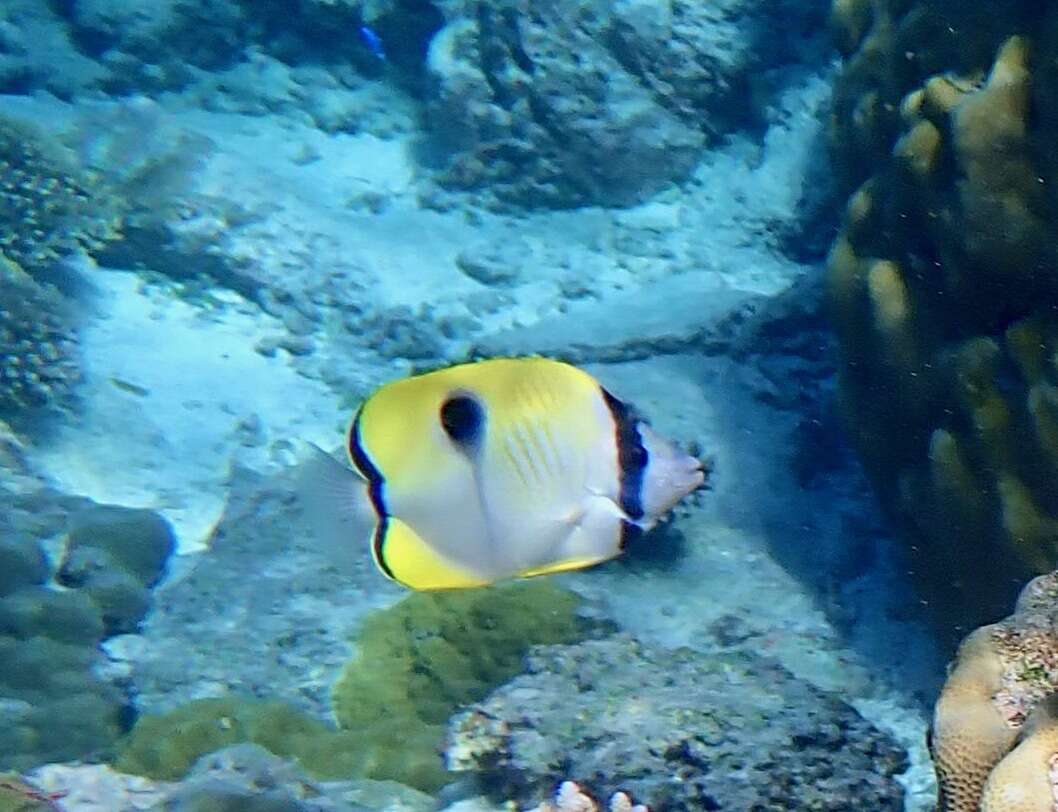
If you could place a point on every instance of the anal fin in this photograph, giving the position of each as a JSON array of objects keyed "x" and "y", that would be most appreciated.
[{"x": 406, "y": 557}]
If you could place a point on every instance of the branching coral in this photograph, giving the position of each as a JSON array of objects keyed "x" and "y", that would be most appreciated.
[
  {"x": 942, "y": 284},
  {"x": 48, "y": 205},
  {"x": 37, "y": 343},
  {"x": 48, "y": 209}
]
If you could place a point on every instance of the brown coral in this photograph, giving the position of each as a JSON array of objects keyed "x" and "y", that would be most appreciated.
[
  {"x": 995, "y": 728},
  {"x": 942, "y": 284},
  {"x": 970, "y": 734},
  {"x": 1025, "y": 780}
]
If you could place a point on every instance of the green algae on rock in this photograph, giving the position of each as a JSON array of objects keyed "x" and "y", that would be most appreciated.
[
  {"x": 434, "y": 652},
  {"x": 419, "y": 661},
  {"x": 166, "y": 746}
]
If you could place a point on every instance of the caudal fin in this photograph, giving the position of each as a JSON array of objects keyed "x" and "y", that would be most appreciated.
[{"x": 670, "y": 474}]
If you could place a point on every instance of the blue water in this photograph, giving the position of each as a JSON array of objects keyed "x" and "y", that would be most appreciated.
[{"x": 226, "y": 225}]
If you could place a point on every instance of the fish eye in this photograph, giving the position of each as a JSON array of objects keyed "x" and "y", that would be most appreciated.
[{"x": 462, "y": 418}]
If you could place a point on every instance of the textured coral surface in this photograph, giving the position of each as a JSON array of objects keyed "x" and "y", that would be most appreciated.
[{"x": 995, "y": 728}]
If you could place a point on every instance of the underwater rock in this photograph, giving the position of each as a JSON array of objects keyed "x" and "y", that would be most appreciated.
[
  {"x": 676, "y": 729},
  {"x": 592, "y": 102},
  {"x": 38, "y": 53},
  {"x": 941, "y": 286},
  {"x": 247, "y": 777},
  {"x": 299, "y": 608},
  {"x": 155, "y": 46},
  {"x": 95, "y": 788},
  {"x": 995, "y": 726},
  {"x": 671, "y": 317}
]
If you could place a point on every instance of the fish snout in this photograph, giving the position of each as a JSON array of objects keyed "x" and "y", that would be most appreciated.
[{"x": 670, "y": 473}]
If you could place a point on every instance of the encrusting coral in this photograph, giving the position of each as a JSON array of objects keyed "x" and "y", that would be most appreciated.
[
  {"x": 55, "y": 706},
  {"x": 995, "y": 730},
  {"x": 942, "y": 286}
]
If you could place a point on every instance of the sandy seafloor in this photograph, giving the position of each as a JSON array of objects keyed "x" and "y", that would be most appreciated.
[{"x": 213, "y": 386}]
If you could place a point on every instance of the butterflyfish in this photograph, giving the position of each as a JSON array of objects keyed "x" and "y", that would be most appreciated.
[{"x": 506, "y": 468}]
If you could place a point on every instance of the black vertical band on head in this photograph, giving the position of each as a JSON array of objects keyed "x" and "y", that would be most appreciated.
[
  {"x": 631, "y": 457},
  {"x": 375, "y": 482}
]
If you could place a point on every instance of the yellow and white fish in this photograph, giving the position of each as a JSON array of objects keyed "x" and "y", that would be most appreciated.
[{"x": 492, "y": 470}]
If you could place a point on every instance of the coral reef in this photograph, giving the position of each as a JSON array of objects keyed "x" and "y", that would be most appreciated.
[
  {"x": 49, "y": 206},
  {"x": 940, "y": 285},
  {"x": 156, "y": 46},
  {"x": 995, "y": 729},
  {"x": 48, "y": 209},
  {"x": 571, "y": 798},
  {"x": 679, "y": 729},
  {"x": 38, "y": 342},
  {"x": 37, "y": 52},
  {"x": 55, "y": 706}
]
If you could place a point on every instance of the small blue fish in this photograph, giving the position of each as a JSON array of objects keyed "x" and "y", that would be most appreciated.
[{"x": 373, "y": 42}]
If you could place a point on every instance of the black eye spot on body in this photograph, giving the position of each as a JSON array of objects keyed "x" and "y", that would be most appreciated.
[{"x": 462, "y": 418}]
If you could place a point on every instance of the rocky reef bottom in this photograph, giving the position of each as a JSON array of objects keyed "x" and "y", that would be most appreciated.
[{"x": 679, "y": 729}]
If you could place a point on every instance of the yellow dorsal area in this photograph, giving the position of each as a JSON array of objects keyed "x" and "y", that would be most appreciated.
[
  {"x": 415, "y": 564},
  {"x": 400, "y": 429}
]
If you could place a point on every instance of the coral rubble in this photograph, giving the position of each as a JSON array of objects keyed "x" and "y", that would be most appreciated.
[{"x": 678, "y": 729}]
